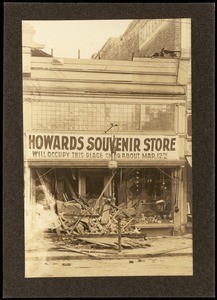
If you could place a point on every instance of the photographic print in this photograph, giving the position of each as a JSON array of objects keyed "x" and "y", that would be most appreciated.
[{"x": 107, "y": 140}]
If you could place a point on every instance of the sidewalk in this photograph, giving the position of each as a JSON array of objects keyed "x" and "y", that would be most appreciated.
[{"x": 159, "y": 247}]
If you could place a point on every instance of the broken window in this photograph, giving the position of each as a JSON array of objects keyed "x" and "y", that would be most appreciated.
[
  {"x": 148, "y": 191},
  {"x": 78, "y": 201}
]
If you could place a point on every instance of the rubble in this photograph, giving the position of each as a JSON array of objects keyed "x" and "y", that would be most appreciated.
[
  {"x": 76, "y": 215},
  {"x": 84, "y": 245},
  {"x": 103, "y": 221}
]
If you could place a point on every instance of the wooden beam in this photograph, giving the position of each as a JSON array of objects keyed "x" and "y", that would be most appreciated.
[
  {"x": 103, "y": 191},
  {"x": 62, "y": 248}
]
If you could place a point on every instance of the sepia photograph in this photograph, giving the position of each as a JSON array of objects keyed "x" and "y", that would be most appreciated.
[
  {"x": 107, "y": 147},
  {"x": 108, "y": 150}
]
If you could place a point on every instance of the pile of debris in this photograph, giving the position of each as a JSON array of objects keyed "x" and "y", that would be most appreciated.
[
  {"x": 100, "y": 243},
  {"x": 80, "y": 216},
  {"x": 166, "y": 53},
  {"x": 84, "y": 218},
  {"x": 94, "y": 247}
]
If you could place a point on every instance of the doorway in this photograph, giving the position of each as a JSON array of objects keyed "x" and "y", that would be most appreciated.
[{"x": 94, "y": 185}]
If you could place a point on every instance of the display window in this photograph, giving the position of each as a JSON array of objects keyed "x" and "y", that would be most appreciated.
[
  {"x": 150, "y": 191},
  {"x": 62, "y": 196}
]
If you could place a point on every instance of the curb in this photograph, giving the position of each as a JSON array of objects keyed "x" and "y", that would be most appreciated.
[{"x": 109, "y": 257}]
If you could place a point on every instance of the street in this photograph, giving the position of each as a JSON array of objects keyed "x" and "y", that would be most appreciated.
[{"x": 159, "y": 266}]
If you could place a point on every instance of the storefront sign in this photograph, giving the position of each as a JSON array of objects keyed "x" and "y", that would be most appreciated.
[{"x": 98, "y": 147}]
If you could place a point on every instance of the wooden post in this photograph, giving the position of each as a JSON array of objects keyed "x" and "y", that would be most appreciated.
[
  {"x": 97, "y": 201},
  {"x": 119, "y": 235},
  {"x": 76, "y": 223},
  {"x": 113, "y": 187}
]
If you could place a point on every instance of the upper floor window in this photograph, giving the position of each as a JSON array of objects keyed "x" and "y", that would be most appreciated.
[{"x": 71, "y": 116}]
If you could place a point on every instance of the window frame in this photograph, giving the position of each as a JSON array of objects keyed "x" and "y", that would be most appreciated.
[{"x": 54, "y": 113}]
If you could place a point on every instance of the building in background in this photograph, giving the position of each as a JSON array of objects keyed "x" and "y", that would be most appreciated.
[
  {"x": 142, "y": 38},
  {"x": 111, "y": 128}
]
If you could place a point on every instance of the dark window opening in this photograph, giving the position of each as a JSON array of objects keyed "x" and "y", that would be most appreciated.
[
  {"x": 189, "y": 125},
  {"x": 94, "y": 185}
]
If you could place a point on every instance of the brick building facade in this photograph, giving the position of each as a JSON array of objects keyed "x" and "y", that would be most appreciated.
[{"x": 141, "y": 39}]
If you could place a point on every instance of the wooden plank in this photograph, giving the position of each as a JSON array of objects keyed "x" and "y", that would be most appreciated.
[
  {"x": 110, "y": 241},
  {"x": 74, "y": 226},
  {"x": 79, "y": 200},
  {"x": 112, "y": 98},
  {"x": 116, "y": 87},
  {"x": 94, "y": 241},
  {"x": 87, "y": 76},
  {"x": 137, "y": 61},
  {"x": 135, "y": 243},
  {"x": 65, "y": 197},
  {"x": 156, "y": 68},
  {"x": 92, "y": 235},
  {"x": 102, "y": 76},
  {"x": 156, "y": 225},
  {"x": 103, "y": 240},
  {"x": 168, "y": 251},
  {"x": 128, "y": 223},
  {"x": 77, "y": 251},
  {"x": 105, "y": 214},
  {"x": 103, "y": 191},
  {"x": 149, "y": 78},
  {"x": 119, "y": 235},
  {"x": 119, "y": 210},
  {"x": 80, "y": 228},
  {"x": 105, "y": 65},
  {"x": 68, "y": 207},
  {"x": 68, "y": 184}
]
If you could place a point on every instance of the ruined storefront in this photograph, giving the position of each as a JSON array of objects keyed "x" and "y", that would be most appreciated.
[
  {"x": 81, "y": 184},
  {"x": 104, "y": 140}
]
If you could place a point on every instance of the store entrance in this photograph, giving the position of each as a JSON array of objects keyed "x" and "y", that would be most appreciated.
[{"x": 94, "y": 185}]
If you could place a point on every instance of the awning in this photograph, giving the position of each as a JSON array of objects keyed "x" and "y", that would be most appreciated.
[
  {"x": 189, "y": 160},
  {"x": 104, "y": 164}
]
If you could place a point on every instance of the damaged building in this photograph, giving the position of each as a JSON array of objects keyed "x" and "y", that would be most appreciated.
[{"x": 104, "y": 141}]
